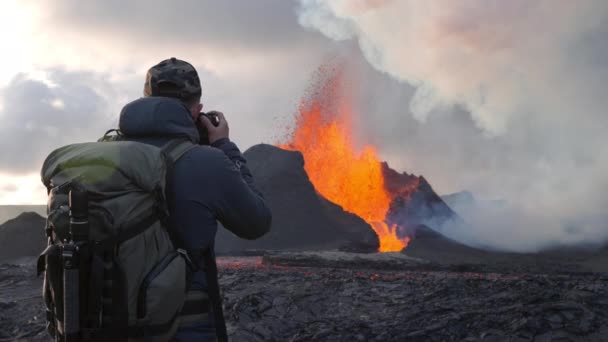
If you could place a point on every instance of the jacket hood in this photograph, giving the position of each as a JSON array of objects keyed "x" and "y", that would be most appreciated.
[{"x": 157, "y": 117}]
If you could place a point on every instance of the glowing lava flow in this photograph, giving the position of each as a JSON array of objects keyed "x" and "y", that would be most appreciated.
[{"x": 352, "y": 179}]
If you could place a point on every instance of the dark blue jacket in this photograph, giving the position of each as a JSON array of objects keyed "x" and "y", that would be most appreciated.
[{"x": 211, "y": 183}]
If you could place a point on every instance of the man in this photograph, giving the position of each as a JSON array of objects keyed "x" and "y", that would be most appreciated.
[{"x": 209, "y": 182}]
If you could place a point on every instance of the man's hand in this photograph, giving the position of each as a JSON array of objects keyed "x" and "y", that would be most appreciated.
[{"x": 215, "y": 133}]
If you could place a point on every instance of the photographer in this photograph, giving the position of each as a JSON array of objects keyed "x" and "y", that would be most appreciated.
[{"x": 210, "y": 182}]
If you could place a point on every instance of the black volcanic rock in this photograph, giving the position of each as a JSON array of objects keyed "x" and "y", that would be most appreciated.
[
  {"x": 361, "y": 237},
  {"x": 265, "y": 301},
  {"x": 430, "y": 245},
  {"x": 415, "y": 203},
  {"x": 302, "y": 219},
  {"x": 22, "y": 236}
]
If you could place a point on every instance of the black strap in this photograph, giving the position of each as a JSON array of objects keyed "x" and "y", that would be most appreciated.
[
  {"x": 96, "y": 282},
  {"x": 214, "y": 294},
  {"x": 107, "y": 292},
  {"x": 172, "y": 157},
  {"x": 151, "y": 330},
  {"x": 195, "y": 307},
  {"x": 120, "y": 314},
  {"x": 113, "y": 130},
  {"x": 108, "y": 137}
]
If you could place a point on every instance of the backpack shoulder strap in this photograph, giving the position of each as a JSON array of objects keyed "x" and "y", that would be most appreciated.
[{"x": 175, "y": 149}]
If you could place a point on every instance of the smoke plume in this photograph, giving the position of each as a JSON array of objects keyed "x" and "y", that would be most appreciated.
[{"x": 530, "y": 76}]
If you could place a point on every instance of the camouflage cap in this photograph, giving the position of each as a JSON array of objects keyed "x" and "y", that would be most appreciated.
[{"x": 173, "y": 78}]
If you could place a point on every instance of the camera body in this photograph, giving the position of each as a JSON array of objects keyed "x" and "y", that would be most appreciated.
[
  {"x": 202, "y": 130},
  {"x": 212, "y": 116}
]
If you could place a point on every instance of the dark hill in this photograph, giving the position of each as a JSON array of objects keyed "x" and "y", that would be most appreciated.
[
  {"x": 302, "y": 219},
  {"x": 8, "y": 212},
  {"x": 22, "y": 236}
]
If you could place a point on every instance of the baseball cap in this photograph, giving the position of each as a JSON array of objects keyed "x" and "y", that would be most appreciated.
[{"x": 173, "y": 78}]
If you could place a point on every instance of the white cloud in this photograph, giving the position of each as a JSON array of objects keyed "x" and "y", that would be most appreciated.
[
  {"x": 79, "y": 62},
  {"x": 508, "y": 98},
  {"x": 498, "y": 59},
  {"x": 37, "y": 117},
  {"x": 57, "y": 104},
  {"x": 17, "y": 22},
  {"x": 24, "y": 189}
]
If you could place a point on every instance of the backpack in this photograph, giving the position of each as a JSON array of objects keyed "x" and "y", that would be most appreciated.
[{"x": 112, "y": 269}]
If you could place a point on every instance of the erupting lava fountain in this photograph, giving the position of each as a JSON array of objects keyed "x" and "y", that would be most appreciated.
[{"x": 345, "y": 175}]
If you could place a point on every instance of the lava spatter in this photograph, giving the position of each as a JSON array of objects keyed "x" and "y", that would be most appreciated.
[{"x": 345, "y": 175}]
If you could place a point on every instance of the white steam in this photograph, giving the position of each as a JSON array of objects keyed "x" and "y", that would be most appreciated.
[{"x": 533, "y": 77}]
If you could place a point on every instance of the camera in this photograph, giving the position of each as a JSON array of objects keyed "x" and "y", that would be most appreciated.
[
  {"x": 212, "y": 116},
  {"x": 202, "y": 130}
]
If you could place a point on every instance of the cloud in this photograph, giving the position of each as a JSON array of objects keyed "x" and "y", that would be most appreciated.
[
  {"x": 230, "y": 24},
  {"x": 38, "y": 117},
  {"x": 254, "y": 61},
  {"x": 227, "y": 37},
  {"x": 254, "y": 58},
  {"x": 9, "y": 188},
  {"x": 493, "y": 58},
  {"x": 22, "y": 189},
  {"x": 80, "y": 62},
  {"x": 501, "y": 98}
]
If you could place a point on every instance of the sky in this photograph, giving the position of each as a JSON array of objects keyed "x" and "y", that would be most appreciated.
[{"x": 505, "y": 99}]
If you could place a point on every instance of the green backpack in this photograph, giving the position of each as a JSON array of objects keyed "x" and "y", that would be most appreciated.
[{"x": 111, "y": 269}]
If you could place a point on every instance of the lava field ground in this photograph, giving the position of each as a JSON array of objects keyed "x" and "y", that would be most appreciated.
[{"x": 269, "y": 299}]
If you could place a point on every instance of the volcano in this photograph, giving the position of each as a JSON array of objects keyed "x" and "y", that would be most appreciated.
[
  {"x": 302, "y": 220},
  {"x": 347, "y": 171}
]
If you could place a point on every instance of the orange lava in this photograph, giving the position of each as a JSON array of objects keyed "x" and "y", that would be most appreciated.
[
  {"x": 389, "y": 241},
  {"x": 344, "y": 175}
]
